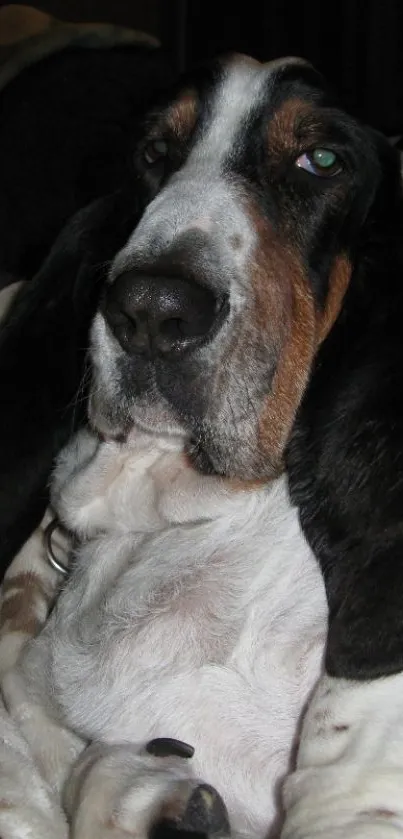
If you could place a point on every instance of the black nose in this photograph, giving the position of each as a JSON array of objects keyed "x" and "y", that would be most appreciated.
[{"x": 160, "y": 315}]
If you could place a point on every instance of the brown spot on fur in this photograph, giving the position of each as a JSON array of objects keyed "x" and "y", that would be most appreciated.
[
  {"x": 182, "y": 115},
  {"x": 339, "y": 729},
  {"x": 19, "y": 609},
  {"x": 338, "y": 283},
  {"x": 18, "y": 615},
  {"x": 5, "y": 805},
  {"x": 235, "y": 241},
  {"x": 379, "y": 813}
]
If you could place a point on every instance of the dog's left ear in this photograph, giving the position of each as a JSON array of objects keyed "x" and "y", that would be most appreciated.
[
  {"x": 43, "y": 344},
  {"x": 376, "y": 212},
  {"x": 385, "y": 187},
  {"x": 345, "y": 456}
]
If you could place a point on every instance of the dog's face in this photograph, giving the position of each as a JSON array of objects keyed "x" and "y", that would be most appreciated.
[{"x": 255, "y": 190}]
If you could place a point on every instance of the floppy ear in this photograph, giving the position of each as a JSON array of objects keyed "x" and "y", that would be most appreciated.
[
  {"x": 345, "y": 457},
  {"x": 42, "y": 355}
]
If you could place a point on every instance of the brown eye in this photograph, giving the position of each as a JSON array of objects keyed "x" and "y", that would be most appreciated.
[{"x": 155, "y": 150}]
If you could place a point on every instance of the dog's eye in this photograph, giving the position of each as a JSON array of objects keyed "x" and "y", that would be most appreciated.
[
  {"x": 322, "y": 162},
  {"x": 155, "y": 150}
]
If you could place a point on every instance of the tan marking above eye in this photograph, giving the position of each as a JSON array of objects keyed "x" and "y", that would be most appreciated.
[
  {"x": 182, "y": 115},
  {"x": 286, "y": 122}
]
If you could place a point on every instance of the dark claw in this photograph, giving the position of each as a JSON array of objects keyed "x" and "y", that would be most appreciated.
[
  {"x": 168, "y": 747},
  {"x": 205, "y": 813}
]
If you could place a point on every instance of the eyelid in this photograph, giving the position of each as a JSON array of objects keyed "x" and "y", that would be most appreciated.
[
  {"x": 150, "y": 151},
  {"x": 306, "y": 162}
]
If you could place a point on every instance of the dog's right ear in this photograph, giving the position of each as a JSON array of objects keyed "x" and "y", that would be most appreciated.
[{"x": 43, "y": 344}]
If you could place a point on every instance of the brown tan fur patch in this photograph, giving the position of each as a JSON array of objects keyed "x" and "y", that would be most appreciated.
[
  {"x": 25, "y": 596},
  {"x": 182, "y": 116},
  {"x": 291, "y": 376},
  {"x": 5, "y": 805},
  {"x": 338, "y": 284},
  {"x": 284, "y": 312},
  {"x": 283, "y": 127},
  {"x": 306, "y": 329}
]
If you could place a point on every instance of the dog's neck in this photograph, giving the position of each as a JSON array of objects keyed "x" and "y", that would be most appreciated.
[{"x": 142, "y": 485}]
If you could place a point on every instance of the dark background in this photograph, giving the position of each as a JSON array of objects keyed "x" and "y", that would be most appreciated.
[{"x": 357, "y": 44}]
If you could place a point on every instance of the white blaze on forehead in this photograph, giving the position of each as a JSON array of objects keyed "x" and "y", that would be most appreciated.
[
  {"x": 243, "y": 85},
  {"x": 200, "y": 196}
]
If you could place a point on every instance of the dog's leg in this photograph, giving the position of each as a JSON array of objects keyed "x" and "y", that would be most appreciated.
[
  {"x": 27, "y": 806},
  {"x": 349, "y": 778},
  {"x": 26, "y": 597},
  {"x": 53, "y": 747},
  {"x": 120, "y": 791},
  {"x": 29, "y": 801}
]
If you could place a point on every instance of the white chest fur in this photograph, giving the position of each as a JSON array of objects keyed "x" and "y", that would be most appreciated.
[{"x": 195, "y": 610}]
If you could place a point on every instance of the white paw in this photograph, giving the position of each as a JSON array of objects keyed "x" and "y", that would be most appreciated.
[{"x": 120, "y": 791}]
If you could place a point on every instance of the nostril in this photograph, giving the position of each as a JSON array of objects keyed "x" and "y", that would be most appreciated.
[
  {"x": 174, "y": 328},
  {"x": 161, "y": 314},
  {"x": 176, "y": 332},
  {"x": 130, "y": 327}
]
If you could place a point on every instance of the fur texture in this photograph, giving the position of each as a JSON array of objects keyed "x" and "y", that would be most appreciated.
[
  {"x": 297, "y": 363},
  {"x": 194, "y": 610}
]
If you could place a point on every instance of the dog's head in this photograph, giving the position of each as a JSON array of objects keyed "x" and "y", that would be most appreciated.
[{"x": 256, "y": 191}]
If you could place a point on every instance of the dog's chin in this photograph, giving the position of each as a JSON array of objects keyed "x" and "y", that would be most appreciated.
[
  {"x": 200, "y": 459},
  {"x": 111, "y": 423},
  {"x": 107, "y": 423},
  {"x": 116, "y": 421},
  {"x": 209, "y": 449}
]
